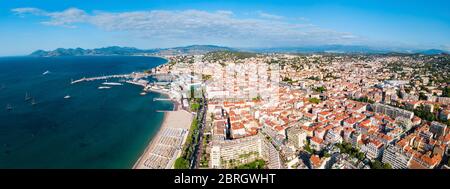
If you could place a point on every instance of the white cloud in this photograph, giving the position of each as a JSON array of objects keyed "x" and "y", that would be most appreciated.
[
  {"x": 269, "y": 16},
  {"x": 66, "y": 18},
  {"x": 28, "y": 10},
  {"x": 196, "y": 26}
]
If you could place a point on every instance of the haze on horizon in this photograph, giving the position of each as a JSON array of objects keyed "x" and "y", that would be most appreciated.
[{"x": 29, "y": 25}]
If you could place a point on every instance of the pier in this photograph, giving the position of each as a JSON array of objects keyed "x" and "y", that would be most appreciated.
[
  {"x": 100, "y": 78},
  {"x": 161, "y": 99},
  {"x": 133, "y": 76}
]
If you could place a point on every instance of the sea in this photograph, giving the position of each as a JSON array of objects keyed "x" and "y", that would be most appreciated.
[{"x": 93, "y": 129}]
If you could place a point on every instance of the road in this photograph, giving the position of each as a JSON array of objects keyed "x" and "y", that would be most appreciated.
[{"x": 201, "y": 117}]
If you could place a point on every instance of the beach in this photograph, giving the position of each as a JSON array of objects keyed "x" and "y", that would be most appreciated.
[{"x": 166, "y": 146}]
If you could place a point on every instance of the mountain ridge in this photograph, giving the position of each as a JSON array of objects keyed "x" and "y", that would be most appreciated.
[{"x": 202, "y": 49}]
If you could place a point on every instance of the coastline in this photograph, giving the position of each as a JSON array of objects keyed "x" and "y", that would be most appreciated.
[
  {"x": 177, "y": 121},
  {"x": 174, "y": 121},
  {"x": 152, "y": 143}
]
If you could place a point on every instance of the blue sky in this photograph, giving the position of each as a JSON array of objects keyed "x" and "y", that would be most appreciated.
[{"x": 27, "y": 25}]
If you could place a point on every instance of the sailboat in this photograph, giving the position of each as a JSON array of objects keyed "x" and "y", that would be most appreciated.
[
  {"x": 9, "y": 107},
  {"x": 27, "y": 97}
]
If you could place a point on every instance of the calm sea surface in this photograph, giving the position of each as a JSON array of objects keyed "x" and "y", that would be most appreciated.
[{"x": 94, "y": 128}]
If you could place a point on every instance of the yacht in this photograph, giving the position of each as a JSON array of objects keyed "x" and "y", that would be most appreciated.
[
  {"x": 33, "y": 102},
  {"x": 67, "y": 97},
  {"x": 104, "y": 87},
  {"x": 9, "y": 107},
  {"x": 46, "y": 72},
  {"x": 27, "y": 97},
  {"x": 111, "y": 83}
]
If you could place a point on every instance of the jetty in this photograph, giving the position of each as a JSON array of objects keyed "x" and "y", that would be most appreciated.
[
  {"x": 101, "y": 78},
  {"x": 161, "y": 99}
]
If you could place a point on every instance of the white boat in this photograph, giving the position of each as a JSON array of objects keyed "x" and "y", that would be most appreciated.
[
  {"x": 27, "y": 97},
  {"x": 46, "y": 72},
  {"x": 9, "y": 107},
  {"x": 111, "y": 83},
  {"x": 143, "y": 93},
  {"x": 33, "y": 102},
  {"x": 67, "y": 97},
  {"x": 104, "y": 87}
]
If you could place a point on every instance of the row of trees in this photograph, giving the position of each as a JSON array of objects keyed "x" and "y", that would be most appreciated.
[
  {"x": 183, "y": 161},
  {"x": 364, "y": 99},
  {"x": 257, "y": 164}
]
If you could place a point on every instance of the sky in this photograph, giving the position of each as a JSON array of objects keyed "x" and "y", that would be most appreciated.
[{"x": 28, "y": 25}]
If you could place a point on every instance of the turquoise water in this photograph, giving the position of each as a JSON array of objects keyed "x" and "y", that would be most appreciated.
[{"x": 95, "y": 128}]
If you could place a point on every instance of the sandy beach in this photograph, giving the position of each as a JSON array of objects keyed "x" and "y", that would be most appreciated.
[{"x": 164, "y": 148}]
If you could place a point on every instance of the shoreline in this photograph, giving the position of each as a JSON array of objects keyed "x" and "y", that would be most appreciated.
[
  {"x": 170, "y": 122},
  {"x": 167, "y": 125},
  {"x": 173, "y": 121},
  {"x": 151, "y": 142}
]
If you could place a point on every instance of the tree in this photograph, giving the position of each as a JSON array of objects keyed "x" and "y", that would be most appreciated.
[
  {"x": 446, "y": 92},
  {"x": 387, "y": 166},
  {"x": 379, "y": 165},
  {"x": 195, "y": 107},
  {"x": 363, "y": 99},
  {"x": 314, "y": 100},
  {"x": 257, "y": 98},
  {"x": 181, "y": 163},
  {"x": 424, "y": 114},
  {"x": 320, "y": 89},
  {"x": 257, "y": 164},
  {"x": 422, "y": 96}
]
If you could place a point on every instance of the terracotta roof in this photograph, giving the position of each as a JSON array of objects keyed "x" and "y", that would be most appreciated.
[
  {"x": 317, "y": 140},
  {"x": 315, "y": 160}
]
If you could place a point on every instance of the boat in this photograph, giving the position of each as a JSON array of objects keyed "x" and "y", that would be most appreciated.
[
  {"x": 46, "y": 72},
  {"x": 111, "y": 83},
  {"x": 9, "y": 107},
  {"x": 143, "y": 93},
  {"x": 33, "y": 102},
  {"x": 27, "y": 97},
  {"x": 67, "y": 97},
  {"x": 104, "y": 87}
]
